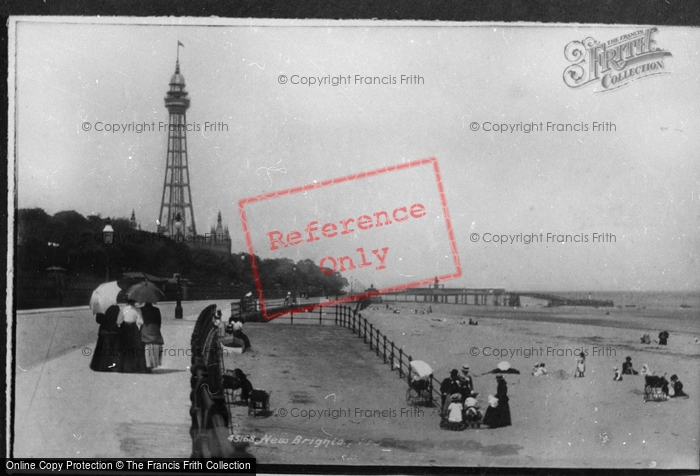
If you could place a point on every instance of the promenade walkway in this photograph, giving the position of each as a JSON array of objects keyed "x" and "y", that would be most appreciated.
[{"x": 64, "y": 409}]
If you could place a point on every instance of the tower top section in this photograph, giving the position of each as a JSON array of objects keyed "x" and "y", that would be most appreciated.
[{"x": 176, "y": 99}]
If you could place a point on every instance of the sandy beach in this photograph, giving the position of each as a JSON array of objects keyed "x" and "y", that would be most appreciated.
[
  {"x": 583, "y": 422},
  {"x": 558, "y": 420}
]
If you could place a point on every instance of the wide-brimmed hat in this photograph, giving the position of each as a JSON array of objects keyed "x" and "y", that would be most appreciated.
[
  {"x": 454, "y": 372},
  {"x": 456, "y": 396},
  {"x": 628, "y": 358},
  {"x": 499, "y": 377},
  {"x": 465, "y": 367}
]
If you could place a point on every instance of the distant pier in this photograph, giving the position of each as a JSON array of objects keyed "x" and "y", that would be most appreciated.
[{"x": 485, "y": 297}]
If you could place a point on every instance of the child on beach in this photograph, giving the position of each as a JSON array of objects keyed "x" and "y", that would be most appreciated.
[
  {"x": 618, "y": 375},
  {"x": 580, "y": 365},
  {"x": 677, "y": 387},
  {"x": 539, "y": 370},
  {"x": 627, "y": 367},
  {"x": 454, "y": 414}
]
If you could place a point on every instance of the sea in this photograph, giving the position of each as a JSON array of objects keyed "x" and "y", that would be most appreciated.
[{"x": 662, "y": 300}]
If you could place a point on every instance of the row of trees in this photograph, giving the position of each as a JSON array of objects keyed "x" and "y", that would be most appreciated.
[{"x": 73, "y": 242}]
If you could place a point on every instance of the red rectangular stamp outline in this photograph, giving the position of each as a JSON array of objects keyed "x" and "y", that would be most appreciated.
[{"x": 450, "y": 233}]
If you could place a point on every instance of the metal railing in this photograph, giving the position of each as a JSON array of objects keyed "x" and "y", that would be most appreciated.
[{"x": 379, "y": 343}]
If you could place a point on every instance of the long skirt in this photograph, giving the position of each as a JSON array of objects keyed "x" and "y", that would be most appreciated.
[
  {"x": 499, "y": 416},
  {"x": 106, "y": 354},
  {"x": 132, "y": 358},
  {"x": 153, "y": 355}
]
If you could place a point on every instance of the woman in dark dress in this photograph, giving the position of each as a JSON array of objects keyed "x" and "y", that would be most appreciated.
[
  {"x": 106, "y": 354},
  {"x": 131, "y": 349},
  {"x": 499, "y": 416}
]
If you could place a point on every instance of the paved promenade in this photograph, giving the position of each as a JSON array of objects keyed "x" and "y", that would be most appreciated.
[{"x": 64, "y": 409}]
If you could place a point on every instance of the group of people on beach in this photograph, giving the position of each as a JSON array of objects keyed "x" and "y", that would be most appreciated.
[
  {"x": 129, "y": 340},
  {"x": 460, "y": 407},
  {"x": 674, "y": 390}
]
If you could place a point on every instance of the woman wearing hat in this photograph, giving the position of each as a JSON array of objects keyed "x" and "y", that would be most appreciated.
[
  {"x": 132, "y": 357},
  {"x": 499, "y": 416}
]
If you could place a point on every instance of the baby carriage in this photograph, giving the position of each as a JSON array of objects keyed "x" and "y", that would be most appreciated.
[
  {"x": 472, "y": 414},
  {"x": 655, "y": 388},
  {"x": 419, "y": 392}
]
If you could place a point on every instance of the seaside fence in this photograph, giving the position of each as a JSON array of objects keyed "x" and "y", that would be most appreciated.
[
  {"x": 209, "y": 410},
  {"x": 384, "y": 348}
]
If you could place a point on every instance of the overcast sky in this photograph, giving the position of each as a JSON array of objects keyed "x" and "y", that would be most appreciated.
[{"x": 640, "y": 182}]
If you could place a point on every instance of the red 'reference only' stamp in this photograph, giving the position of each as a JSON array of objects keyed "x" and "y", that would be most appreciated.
[{"x": 390, "y": 227}]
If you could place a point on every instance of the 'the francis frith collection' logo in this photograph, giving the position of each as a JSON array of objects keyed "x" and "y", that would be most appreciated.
[{"x": 614, "y": 63}]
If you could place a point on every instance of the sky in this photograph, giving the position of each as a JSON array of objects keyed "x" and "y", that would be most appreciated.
[{"x": 638, "y": 182}]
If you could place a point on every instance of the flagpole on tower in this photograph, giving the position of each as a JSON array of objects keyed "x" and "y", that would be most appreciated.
[{"x": 179, "y": 44}]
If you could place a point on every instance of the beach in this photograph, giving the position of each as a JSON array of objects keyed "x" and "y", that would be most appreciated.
[
  {"x": 565, "y": 421},
  {"x": 558, "y": 420}
]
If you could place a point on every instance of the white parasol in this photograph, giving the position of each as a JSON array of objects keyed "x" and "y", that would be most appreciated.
[
  {"x": 421, "y": 368},
  {"x": 503, "y": 366},
  {"x": 103, "y": 296}
]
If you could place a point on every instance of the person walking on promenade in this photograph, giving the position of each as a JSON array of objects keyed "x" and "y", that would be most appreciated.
[
  {"x": 663, "y": 337},
  {"x": 131, "y": 348},
  {"x": 106, "y": 354},
  {"x": 151, "y": 336}
]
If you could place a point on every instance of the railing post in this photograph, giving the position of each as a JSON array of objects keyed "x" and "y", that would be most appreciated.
[
  {"x": 400, "y": 363},
  {"x": 364, "y": 336},
  {"x": 291, "y": 315},
  {"x": 320, "y": 314},
  {"x": 353, "y": 325},
  {"x": 371, "y": 333},
  {"x": 385, "y": 349},
  {"x": 392, "y": 355},
  {"x": 410, "y": 359},
  {"x": 336, "y": 315}
]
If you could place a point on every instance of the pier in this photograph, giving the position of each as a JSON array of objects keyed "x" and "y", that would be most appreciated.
[{"x": 484, "y": 297}]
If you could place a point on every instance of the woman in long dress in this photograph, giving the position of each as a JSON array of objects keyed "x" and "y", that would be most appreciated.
[
  {"x": 151, "y": 336},
  {"x": 499, "y": 416},
  {"x": 131, "y": 348},
  {"x": 106, "y": 354}
]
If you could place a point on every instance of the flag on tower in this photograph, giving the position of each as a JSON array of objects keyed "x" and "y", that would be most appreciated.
[{"x": 180, "y": 44}]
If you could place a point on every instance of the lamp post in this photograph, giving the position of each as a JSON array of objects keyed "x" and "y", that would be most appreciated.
[
  {"x": 178, "y": 302},
  {"x": 178, "y": 224},
  {"x": 294, "y": 294},
  {"x": 108, "y": 237}
]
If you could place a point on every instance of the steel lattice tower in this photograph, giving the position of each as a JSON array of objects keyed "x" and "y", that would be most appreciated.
[{"x": 176, "y": 212}]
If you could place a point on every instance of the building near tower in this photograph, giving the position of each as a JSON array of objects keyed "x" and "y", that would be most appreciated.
[{"x": 176, "y": 218}]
